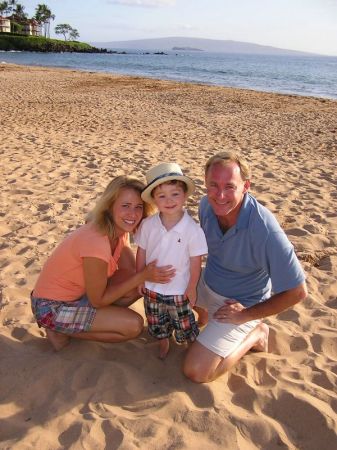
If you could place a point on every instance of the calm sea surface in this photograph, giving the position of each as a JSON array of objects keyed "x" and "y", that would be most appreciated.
[{"x": 309, "y": 75}]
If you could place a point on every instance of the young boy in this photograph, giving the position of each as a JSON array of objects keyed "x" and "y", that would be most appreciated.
[{"x": 171, "y": 237}]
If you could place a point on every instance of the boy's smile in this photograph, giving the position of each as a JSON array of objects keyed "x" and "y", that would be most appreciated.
[{"x": 170, "y": 200}]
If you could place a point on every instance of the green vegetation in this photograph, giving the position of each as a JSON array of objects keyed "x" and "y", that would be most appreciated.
[
  {"x": 21, "y": 40},
  {"x": 9, "y": 41},
  {"x": 43, "y": 16},
  {"x": 65, "y": 29}
]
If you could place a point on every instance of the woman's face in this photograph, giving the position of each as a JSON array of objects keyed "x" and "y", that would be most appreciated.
[{"x": 127, "y": 211}]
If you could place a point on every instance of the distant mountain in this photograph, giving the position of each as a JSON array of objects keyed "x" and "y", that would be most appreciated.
[{"x": 208, "y": 45}]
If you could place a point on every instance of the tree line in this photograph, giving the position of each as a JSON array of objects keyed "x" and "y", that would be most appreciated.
[{"x": 43, "y": 15}]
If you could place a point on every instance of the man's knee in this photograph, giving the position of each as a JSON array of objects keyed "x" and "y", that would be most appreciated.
[
  {"x": 194, "y": 375},
  {"x": 197, "y": 372}
]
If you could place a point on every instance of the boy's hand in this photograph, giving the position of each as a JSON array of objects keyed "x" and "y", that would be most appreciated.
[
  {"x": 141, "y": 288},
  {"x": 191, "y": 294}
]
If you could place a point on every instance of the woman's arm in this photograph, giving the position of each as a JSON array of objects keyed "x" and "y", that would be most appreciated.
[
  {"x": 140, "y": 264},
  {"x": 127, "y": 260},
  {"x": 101, "y": 294},
  {"x": 140, "y": 259}
]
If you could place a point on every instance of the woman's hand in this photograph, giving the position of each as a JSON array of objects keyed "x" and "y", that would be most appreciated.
[
  {"x": 231, "y": 312},
  {"x": 156, "y": 274}
]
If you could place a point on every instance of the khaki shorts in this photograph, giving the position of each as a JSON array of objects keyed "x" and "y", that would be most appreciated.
[{"x": 220, "y": 338}]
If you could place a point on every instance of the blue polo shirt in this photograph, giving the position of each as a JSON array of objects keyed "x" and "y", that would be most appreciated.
[{"x": 253, "y": 258}]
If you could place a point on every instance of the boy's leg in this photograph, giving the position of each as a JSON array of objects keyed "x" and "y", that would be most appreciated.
[
  {"x": 183, "y": 319},
  {"x": 158, "y": 320},
  {"x": 164, "y": 347}
]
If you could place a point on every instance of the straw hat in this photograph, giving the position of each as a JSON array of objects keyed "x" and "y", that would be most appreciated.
[{"x": 160, "y": 174}]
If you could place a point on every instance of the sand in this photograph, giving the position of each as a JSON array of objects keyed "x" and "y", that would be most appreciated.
[{"x": 64, "y": 135}]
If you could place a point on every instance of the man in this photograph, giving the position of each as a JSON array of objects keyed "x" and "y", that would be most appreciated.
[{"x": 251, "y": 272}]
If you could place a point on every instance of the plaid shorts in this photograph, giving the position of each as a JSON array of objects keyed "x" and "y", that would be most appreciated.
[
  {"x": 168, "y": 313},
  {"x": 64, "y": 317}
]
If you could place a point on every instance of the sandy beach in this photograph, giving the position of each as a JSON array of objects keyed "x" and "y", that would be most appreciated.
[{"x": 64, "y": 135}]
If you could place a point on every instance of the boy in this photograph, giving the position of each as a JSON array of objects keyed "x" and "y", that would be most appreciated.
[{"x": 171, "y": 237}]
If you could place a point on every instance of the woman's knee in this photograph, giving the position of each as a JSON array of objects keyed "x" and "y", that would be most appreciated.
[{"x": 136, "y": 326}]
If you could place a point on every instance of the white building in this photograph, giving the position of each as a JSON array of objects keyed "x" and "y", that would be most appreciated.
[
  {"x": 5, "y": 25},
  {"x": 28, "y": 27}
]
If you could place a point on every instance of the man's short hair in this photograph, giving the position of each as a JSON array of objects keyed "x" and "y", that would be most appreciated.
[{"x": 225, "y": 158}]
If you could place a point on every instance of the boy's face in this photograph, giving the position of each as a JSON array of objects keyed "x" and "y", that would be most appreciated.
[{"x": 169, "y": 198}]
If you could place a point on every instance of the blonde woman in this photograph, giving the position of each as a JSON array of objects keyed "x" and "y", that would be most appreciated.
[{"x": 89, "y": 281}]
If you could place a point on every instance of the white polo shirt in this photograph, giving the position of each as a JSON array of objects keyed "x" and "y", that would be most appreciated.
[{"x": 173, "y": 247}]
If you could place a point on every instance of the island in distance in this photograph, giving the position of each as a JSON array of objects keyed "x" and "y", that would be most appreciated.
[
  {"x": 207, "y": 45},
  {"x": 187, "y": 49}
]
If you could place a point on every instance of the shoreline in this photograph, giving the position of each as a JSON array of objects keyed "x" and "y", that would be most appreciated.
[
  {"x": 90, "y": 70},
  {"x": 65, "y": 134}
]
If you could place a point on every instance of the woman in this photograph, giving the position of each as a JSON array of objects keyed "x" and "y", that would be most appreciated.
[{"x": 89, "y": 281}]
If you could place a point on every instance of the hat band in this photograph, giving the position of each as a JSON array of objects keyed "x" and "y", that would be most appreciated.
[{"x": 170, "y": 174}]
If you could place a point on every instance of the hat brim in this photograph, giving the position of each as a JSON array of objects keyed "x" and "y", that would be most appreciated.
[{"x": 146, "y": 194}]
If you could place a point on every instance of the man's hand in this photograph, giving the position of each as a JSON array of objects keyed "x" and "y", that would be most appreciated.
[{"x": 231, "y": 312}]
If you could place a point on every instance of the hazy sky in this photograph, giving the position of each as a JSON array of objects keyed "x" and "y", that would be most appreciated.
[{"x": 309, "y": 25}]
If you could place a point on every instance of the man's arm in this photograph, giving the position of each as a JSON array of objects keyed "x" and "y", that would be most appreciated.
[{"x": 234, "y": 312}]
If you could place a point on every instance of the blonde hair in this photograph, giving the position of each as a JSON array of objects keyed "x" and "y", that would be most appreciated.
[
  {"x": 101, "y": 215},
  {"x": 225, "y": 158}
]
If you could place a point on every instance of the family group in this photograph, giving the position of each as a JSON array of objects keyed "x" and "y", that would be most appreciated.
[{"x": 251, "y": 270}]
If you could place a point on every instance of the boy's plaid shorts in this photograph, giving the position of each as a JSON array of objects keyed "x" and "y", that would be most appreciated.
[{"x": 168, "y": 313}]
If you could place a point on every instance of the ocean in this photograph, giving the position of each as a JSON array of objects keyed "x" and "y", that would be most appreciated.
[{"x": 300, "y": 75}]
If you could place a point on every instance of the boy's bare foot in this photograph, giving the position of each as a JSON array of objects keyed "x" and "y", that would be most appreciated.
[
  {"x": 262, "y": 343},
  {"x": 164, "y": 346},
  {"x": 57, "y": 340}
]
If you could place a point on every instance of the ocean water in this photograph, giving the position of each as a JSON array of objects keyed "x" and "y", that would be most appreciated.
[{"x": 301, "y": 75}]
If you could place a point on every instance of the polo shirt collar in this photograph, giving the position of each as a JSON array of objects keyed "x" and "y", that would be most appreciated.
[
  {"x": 245, "y": 210},
  {"x": 178, "y": 227}
]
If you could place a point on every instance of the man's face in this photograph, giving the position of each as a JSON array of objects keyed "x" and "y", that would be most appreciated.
[{"x": 225, "y": 190}]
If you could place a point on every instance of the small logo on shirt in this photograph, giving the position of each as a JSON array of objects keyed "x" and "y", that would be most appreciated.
[{"x": 179, "y": 240}]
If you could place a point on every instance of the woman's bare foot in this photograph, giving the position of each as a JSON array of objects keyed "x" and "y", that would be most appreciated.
[
  {"x": 262, "y": 343},
  {"x": 164, "y": 346},
  {"x": 57, "y": 340}
]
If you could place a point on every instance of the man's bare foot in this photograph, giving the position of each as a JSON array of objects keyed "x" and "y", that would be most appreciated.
[
  {"x": 164, "y": 346},
  {"x": 57, "y": 340},
  {"x": 262, "y": 343}
]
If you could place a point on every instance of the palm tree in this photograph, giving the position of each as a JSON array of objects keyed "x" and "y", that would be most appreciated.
[
  {"x": 43, "y": 15},
  {"x": 19, "y": 12},
  {"x": 11, "y": 5},
  {"x": 4, "y": 8},
  {"x": 18, "y": 17}
]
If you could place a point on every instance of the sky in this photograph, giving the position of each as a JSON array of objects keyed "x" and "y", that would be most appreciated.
[{"x": 305, "y": 25}]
